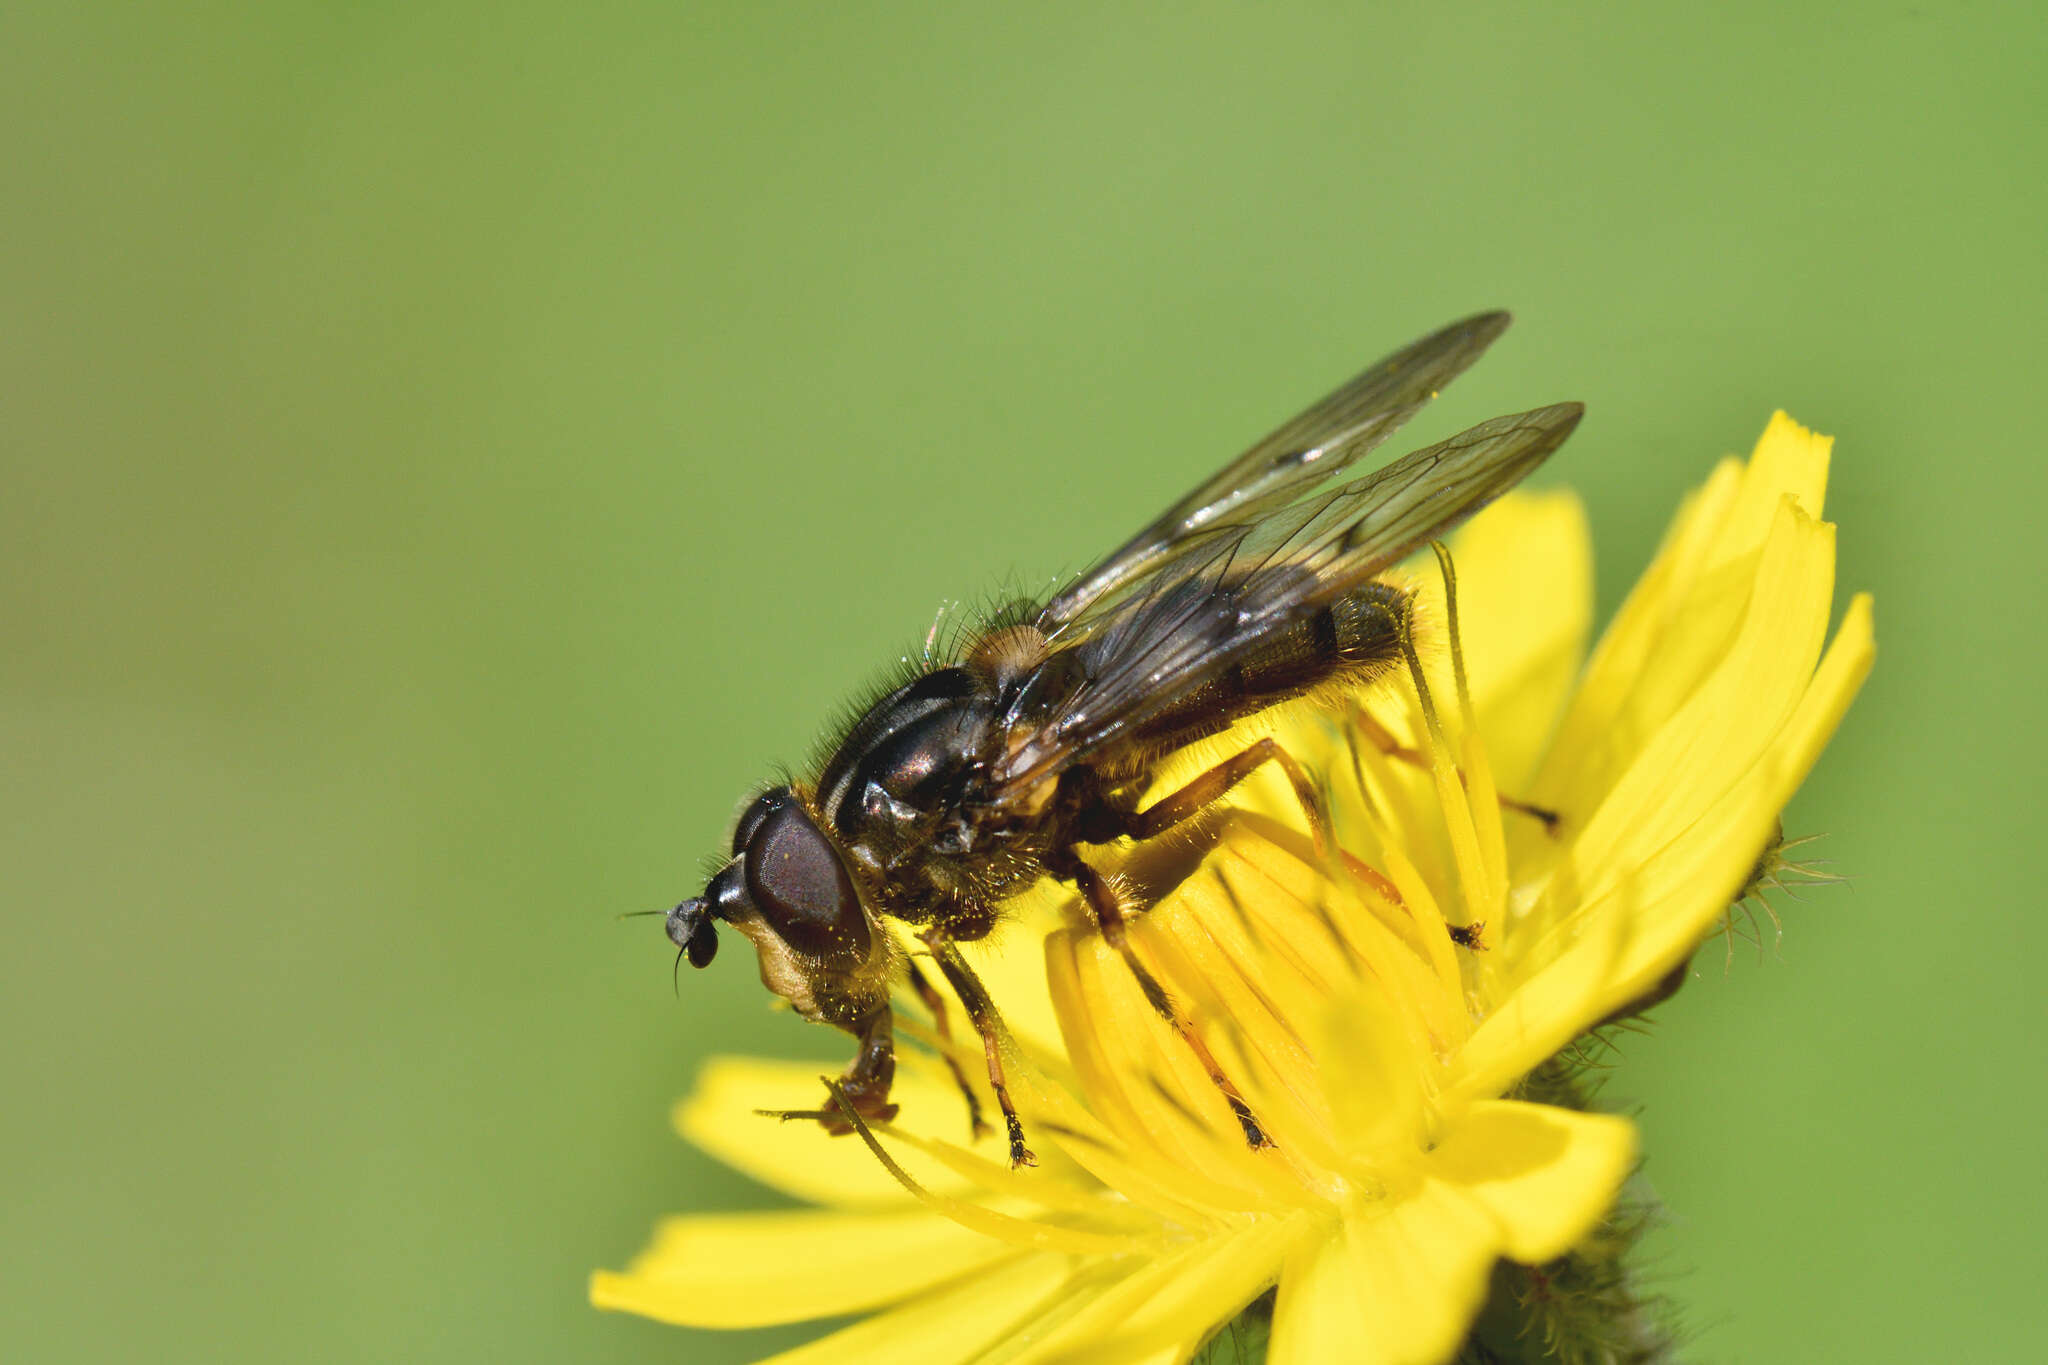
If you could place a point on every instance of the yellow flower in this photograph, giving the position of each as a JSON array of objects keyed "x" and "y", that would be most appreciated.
[{"x": 1381, "y": 1055}]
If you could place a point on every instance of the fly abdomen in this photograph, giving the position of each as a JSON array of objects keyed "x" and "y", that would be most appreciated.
[
  {"x": 1351, "y": 639},
  {"x": 1361, "y": 630}
]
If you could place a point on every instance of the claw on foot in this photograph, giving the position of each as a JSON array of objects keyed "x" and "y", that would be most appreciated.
[{"x": 1254, "y": 1135}]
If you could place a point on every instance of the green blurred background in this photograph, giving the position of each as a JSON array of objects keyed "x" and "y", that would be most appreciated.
[{"x": 452, "y": 451}]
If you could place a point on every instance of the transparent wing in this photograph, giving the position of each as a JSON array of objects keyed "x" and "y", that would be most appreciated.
[
  {"x": 1223, "y": 599},
  {"x": 1306, "y": 451}
]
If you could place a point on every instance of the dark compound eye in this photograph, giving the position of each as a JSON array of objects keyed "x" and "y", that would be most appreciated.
[
  {"x": 796, "y": 881},
  {"x": 764, "y": 805}
]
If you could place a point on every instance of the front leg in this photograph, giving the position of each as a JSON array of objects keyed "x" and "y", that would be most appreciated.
[{"x": 865, "y": 1085}]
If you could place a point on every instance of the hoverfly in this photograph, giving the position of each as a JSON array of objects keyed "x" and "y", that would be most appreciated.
[{"x": 993, "y": 768}]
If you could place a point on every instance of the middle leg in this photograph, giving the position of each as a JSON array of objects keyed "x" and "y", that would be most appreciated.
[
  {"x": 936, "y": 1003},
  {"x": 981, "y": 1012}
]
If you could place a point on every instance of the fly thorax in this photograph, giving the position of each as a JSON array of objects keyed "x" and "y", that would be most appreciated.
[{"x": 898, "y": 783}]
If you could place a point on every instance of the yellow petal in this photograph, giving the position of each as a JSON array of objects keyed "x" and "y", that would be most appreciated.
[
  {"x": 1716, "y": 737},
  {"x": 1371, "y": 1078},
  {"x": 1679, "y": 616},
  {"x": 799, "y": 1157},
  {"x": 1025, "y": 1231},
  {"x": 1542, "y": 1014},
  {"x": 1525, "y": 608},
  {"x": 1318, "y": 1316},
  {"x": 1546, "y": 1175},
  {"x": 1789, "y": 462},
  {"x": 1653, "y": 920},
  {"x": 1835, "y": 684},
  {"x": 1397, "y": 1284},
  {"x": 1605, "y": 720},
  {"x": 1176, "y": 1301},
  {"x": 1226, "y": 985},
  {"x": 757, "y": 1269},
  {"x": 1670, "y": 893},
  {"x": 1277, "y": 907},
  {"x": 1682, "y": 613},
  {"x": 1144, "y": 1082},
  {"x": 963, "y": 1322}
]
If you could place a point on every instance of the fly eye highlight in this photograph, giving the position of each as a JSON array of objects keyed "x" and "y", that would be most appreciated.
[{"x": 762, "y": 806}]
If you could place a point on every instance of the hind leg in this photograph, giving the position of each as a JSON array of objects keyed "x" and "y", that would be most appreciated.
[{"x": 1383, "y": 739}]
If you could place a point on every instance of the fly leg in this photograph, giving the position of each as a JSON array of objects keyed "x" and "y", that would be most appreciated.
[
  {"x": 866, "y": 1082},
  {"x": 1212, "y": 786},
  {"x": 1383, "y": 740},
  {"x": 1102, "y": 899},
  {"x": 865, "y": 1085},
  {"x": 936, "y": 1003},
  {"x": 981, "y": 1012}
]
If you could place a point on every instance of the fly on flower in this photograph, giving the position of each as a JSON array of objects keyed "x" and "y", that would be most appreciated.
[{"x": 992, "y": 766}]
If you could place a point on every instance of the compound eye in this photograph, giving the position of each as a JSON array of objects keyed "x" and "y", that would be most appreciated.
[
  {"x": 797, "y": 882},
  {"x": 763, "y": 806}
]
